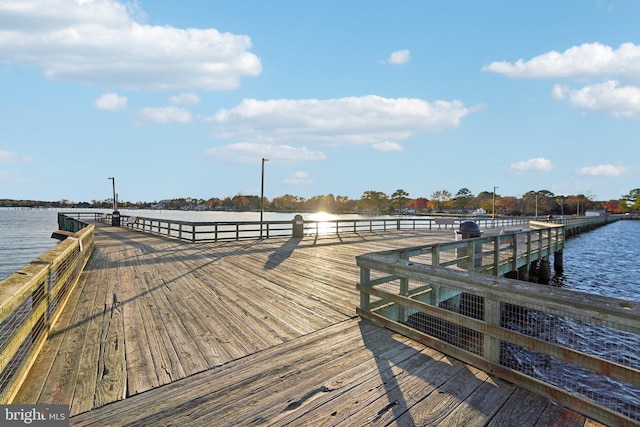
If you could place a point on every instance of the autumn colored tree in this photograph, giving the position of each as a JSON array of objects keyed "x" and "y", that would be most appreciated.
[{"x": 441, "y": 199}]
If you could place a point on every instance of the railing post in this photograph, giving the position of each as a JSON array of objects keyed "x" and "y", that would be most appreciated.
[
  {"x": 492, "y": 317},
  {"x": 404, "y": 291},
  {"x": 496, "y": 256},
  {"x": 514, "y": 252},
  {"x": 365, "y": 280},
  {"x": 435, "y": 255}
]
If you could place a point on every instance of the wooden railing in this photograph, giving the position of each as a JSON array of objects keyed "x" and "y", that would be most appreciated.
[
  {"x": 239, "y": 230},
  {"x": 32, "y": 299},
  {"x": 214, "y": 231},
  {"x": 578, "y": 349}
]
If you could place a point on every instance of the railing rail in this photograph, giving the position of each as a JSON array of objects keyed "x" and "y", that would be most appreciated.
[
  {"x": 549, "y": 340},
  {"x": 32, "y": 299}
]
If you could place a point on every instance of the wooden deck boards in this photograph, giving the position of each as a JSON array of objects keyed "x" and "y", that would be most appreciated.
[{"x": 162, "y": 332}]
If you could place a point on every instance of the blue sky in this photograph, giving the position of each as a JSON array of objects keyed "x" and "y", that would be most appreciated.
[{"x": 184, "y": 99}]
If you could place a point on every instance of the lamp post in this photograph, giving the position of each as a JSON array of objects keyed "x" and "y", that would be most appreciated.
[
  {"x": 115, "y": 216},
  {"x": 493, "y": 216},
  {"x": 262, "y": 195},
  {"x": 536, "y": 193},
  {"x": 113, "y": 182}
]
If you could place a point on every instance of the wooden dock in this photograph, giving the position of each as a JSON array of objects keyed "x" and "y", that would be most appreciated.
[{"x": 163, "y": 332}]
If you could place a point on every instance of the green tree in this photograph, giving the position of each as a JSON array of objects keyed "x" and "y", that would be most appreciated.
[
  {"x": 373, "y": 202},
  {"x": 463, "y": 199},
  {"x": 399, "y": 200},
  {"x": 633, "y": 199}
]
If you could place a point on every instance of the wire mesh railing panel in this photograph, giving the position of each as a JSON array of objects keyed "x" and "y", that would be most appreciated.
[
  {"x": 20, "y": 332},
  {"x": 586, "y": 345},
  {"x": 35, "y": 303}
]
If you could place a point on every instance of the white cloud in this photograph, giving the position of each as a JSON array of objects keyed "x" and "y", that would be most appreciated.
[
  {"x": 101, "y": 42},
  {"x": 7, "y": 177},
  {"x": 298, "y": 179},
  {"x": 249, "y": 152},
  {"x": 111, "y": 102},
  {"x": 163, "y": 115},
  {"x": 533, "y": 165},
  {"x": 11, "y": 157},
  {"x": 399, "y": 57},
  {"x": 560, "y": 91},
  {"x": 589, "y": 60},
  {"x": 387, "y": 146},
  {"x": 352, "y": 120},
  {"x": 185, "y": 98},
  {"x": 608, "y": 97},
  {"x": 603, "y": 170}
]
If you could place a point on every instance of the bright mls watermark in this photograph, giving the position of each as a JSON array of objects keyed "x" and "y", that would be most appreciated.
[{"x": 34, "y": 415}]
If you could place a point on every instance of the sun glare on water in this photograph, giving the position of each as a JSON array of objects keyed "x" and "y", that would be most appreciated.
[
  {"x": 324, "y": 227},
  {"x": 322, "y": 216}
]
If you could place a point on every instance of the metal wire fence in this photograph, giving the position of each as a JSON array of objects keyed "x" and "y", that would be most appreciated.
[
  {"x": 579, "y": 349},
  {"x": 31, "y": 300}
]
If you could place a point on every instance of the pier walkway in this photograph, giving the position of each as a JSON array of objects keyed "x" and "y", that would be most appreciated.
[{"x": 164, "y": 332}]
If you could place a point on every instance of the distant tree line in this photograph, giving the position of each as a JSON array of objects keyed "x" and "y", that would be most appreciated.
[{"x": 540, "y": 202}]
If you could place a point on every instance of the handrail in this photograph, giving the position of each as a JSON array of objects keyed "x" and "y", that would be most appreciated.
[
  {"x": 543, "y": 338},
  {"x": 32, "y": 299}
]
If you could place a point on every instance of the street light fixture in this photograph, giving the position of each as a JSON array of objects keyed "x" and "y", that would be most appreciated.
[{"x": 262, "y": 195}]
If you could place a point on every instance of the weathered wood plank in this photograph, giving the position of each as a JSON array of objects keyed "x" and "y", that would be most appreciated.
[
  {"x": 435, "y": 407},
  {"x": 482, "y": 405},
  {"x": 90, "y": 321},
  {"x": 111, "y": 382},
  {"x": 167, "y": 364},
  {"x": 141, "y": 375},
  {"x": 522, "y": 409},
  {"x": 388, "y": 371},
  {"x": 160, "y": 402}
]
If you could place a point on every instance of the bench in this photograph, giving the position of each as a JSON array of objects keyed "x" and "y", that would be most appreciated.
[
  {"x": 131, "y": 221},
  {"x": 510, "y": 230},
  {"x": 445, "y": 221}
]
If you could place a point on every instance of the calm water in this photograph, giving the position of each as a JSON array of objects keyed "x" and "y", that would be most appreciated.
[{"x": 605, "y": 261}]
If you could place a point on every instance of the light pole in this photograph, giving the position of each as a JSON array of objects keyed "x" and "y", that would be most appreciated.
[
  {"x": 115, "y": 216},
  {"x": 494, "y": 206},
  {"x": 262, "y": 195},
  {"x": 536, "y": 193},
  {"x": 113, "y": 182}
]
